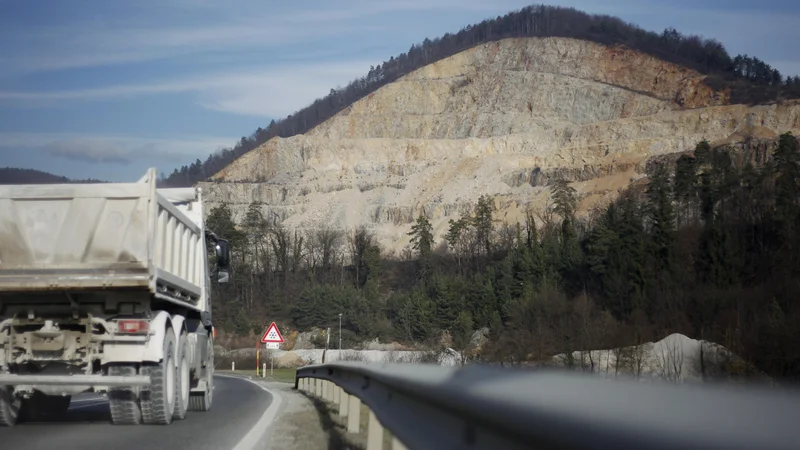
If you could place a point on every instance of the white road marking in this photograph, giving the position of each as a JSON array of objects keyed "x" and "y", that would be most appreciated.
[{"x": 252, "y": 438}]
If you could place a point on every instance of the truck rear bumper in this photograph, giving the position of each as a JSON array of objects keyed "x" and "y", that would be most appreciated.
[{"x": 74, "y": 380}]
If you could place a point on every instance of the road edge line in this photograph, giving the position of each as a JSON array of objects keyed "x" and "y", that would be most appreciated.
[{"x": 252, "y": 438}]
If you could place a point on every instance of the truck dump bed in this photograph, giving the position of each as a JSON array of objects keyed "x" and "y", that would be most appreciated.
[{"x": 88, "y": 237}]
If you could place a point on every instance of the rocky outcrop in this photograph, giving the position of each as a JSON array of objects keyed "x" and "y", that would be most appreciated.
[{"x": 504, "y": 119}]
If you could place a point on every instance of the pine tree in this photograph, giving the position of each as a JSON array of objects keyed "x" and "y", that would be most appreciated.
[
  {"x": 662, "y": 218},
  {"x": 422, "y": 241},
  {"x": 504, "y": 281},
  {"x": 787, "y": 178},
  {"x": 685, "y": 187},
  {"x": 462, "y": 333},
  {"x": 483, "y": 223},
  {"x": 787, "y": 190},
  {"x": 564, "y": 198},
  {"x": 457, "y": 239}
]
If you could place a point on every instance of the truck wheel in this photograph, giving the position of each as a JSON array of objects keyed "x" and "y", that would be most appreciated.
[
  {"x": 158, "y": 400},
  {"x": 124, "y": 403},
  {"x": 9, "y": 406},
  {"x": 183, "y": 381},
  {"x": 201, "y": 401},
  {"x": 44, "y": 407}
]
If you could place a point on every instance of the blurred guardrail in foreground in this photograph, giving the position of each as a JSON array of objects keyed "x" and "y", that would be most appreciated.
[{"x": 481, "y": 407}]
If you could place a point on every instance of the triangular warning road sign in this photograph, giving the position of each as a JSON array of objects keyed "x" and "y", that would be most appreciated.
[{"x": 272, "y": 334}]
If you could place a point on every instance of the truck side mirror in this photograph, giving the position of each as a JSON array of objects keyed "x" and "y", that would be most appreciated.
[
  {"x": 222, "y": 276},
  {"x": 223, "y": 254}
]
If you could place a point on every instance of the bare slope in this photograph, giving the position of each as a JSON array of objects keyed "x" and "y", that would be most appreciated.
[{"x": 499, "y": 119}]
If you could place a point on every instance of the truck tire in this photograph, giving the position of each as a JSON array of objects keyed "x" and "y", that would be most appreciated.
[
  {"x": 183, "y": 380},
  {"x": 201, "y": 401},
  {"x": 44, "y": 407},
  {"x": 124, "y": 402},
  {"x": 9, "y": 407},
  {"x": 158, "y": 400}
]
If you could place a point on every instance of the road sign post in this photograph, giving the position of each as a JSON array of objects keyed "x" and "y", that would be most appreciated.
[{"x": 272, "y": 337}]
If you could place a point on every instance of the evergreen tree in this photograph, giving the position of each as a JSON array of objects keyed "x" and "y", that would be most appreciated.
[
  {"x": 504, "y": 282},
  {"x": 787, "y": 192},
  {"x": 462, "y": 332},
  {"x": 662, "y": 218},
  {"x": 565, "y": 200},
  {"x": 220, "y": 221},
  {"x": 685, "y": 187},
  {"x": 422, "y": 241},
  {"x": 456, "y": 239},
  {"x": 483, "y": 223}
]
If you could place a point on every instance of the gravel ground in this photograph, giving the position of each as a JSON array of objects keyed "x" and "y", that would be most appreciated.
[
  {"x": 306, "y": 423},
  {"x": 299, "y": 425}
]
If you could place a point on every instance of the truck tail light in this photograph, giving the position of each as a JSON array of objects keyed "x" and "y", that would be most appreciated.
[{"x": 133, "y": 326}]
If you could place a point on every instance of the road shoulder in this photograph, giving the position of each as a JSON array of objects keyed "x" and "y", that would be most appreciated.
[{"x": 299, "y": 425}]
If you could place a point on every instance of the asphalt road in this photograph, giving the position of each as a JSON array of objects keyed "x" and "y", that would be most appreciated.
[{"x": 238, "y": 405}]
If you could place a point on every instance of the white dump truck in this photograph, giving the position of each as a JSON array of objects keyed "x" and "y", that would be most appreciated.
[{"x": 105, "y": 288}]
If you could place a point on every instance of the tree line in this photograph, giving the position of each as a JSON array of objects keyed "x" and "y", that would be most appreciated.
[
  {"x": 13, "y": 175},
  {"x": 709, "y": 248},
  {"x": 749, "y": 79}
]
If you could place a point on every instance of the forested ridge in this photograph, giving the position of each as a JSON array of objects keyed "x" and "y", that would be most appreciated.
[
  {"x": 750, "y": 79},
  {"x": 708, "y": 247},
  {"x": 13, "y": 175}
]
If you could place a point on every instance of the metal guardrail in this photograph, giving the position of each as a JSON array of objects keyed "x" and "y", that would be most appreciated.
[{"x": 480, "y": 407}]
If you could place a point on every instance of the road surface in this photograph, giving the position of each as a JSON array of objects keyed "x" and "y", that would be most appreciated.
[{"x": 238, "y": 406}]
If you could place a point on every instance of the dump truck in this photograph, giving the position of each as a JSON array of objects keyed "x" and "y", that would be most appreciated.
[{"x": 105, "y": 288}]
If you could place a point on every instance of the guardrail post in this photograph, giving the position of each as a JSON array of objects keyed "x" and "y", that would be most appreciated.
[
  {"x": 397, "y": 445},
  {"x": 326, "y": 385},
  {"x": 354, "y": 415},
  {"x": 344, "y": 403},
  {"x": 317, "y": 387},
  {"x": 374, "y": 433},
  {"x": 336, "y": 394}
]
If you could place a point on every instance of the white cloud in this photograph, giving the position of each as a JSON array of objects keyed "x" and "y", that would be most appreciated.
[
  {"x": 103, "y": 41},
  {"x": 94, "y": 151},
  {"x": 115, "y": 149},
  {"x": 191, "y": 27},
  {"x": 105, "y": 47},
  {"x": 267, "y": 92}
]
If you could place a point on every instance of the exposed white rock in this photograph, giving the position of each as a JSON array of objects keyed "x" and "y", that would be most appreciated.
[{"x": 496, "y": 120}]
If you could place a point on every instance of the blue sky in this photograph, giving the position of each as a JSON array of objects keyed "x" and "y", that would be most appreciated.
[{"x": 105, "y": 89}]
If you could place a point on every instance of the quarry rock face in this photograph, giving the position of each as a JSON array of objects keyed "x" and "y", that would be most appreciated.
[{"x": 503, "y": 119}]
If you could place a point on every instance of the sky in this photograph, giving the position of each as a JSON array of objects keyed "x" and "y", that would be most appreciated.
[{"x": 107, "y": 88}]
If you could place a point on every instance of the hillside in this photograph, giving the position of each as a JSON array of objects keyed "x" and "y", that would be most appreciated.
[
  {"x": 748, "y": 79},
  {"x": 13, "y": 175},
  {"x": 501, "y": 119}
]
